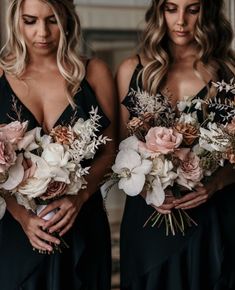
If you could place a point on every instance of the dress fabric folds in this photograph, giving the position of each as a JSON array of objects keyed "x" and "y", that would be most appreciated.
[
  {"x": 199, "y": 260},
  {"x": 86, "y": 264}
]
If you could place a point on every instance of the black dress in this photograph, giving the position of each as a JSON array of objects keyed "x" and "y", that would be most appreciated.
[
  {"x": 86, "y": 265},
  {"x": 199, "y": 260}
]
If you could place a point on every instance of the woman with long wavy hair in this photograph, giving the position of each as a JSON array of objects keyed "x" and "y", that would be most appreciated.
[
  {"x": 46, "y": 81},
  {"x": 186, "y": 45}
]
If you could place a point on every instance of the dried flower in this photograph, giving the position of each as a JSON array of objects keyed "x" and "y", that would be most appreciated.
[
  {"x": 63, "y": 135},
  {"x": 189, "y": 132}
]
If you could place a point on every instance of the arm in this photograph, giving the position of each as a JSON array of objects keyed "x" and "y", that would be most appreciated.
[
  {"x": 31, "y": 224},
  {"x": 101, "y": 81}
]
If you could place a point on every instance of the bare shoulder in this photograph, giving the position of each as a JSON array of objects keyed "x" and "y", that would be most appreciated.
[
  {"x": 126, "y": 68},
  {"x": 124, "y": 75},
  {"x": 97, "y": 71},
  {"x": 101, "y": 80},
  {"x": 1, "y": 71}
]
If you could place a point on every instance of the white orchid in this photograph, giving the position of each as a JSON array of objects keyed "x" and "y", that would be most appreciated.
[
  {"x": 129, "y": 143},
  {"x": 131, "y": 169},
  {"x": 155, "y": 194}
]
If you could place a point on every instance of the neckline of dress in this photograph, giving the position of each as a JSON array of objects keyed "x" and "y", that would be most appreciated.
[
  {"x": 140, "y": 66},
  {"x": 30, "y": 112}
]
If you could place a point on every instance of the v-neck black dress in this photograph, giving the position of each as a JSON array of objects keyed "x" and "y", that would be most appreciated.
[
  {"x": 86, "y": 265},
  {"x": 150, "y": 260}
]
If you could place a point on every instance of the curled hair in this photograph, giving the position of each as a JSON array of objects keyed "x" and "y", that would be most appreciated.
[
  {"x": 213, "y": 37},
  {"x": 14, "y": 55}
]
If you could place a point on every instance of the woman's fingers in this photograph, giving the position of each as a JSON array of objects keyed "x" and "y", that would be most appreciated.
[
  {"x": 59, "y": 224},
  {"x": 49, "y": 208}
]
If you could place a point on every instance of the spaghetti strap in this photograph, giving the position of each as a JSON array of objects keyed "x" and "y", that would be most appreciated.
[{"x": 139, "y": 59}]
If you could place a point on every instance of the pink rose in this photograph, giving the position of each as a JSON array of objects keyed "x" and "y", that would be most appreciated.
[
  {"x": 13, "y": 132},
  {"x": 55, "y": 189},
  {"x": 231, "y": 127},
  {"x": 7, "y": 156},
  {"x": 162, "y": 140},
  {"x": 189, "y": 171}
]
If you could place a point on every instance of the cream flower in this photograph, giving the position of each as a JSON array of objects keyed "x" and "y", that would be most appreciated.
[
  {"x": 34, "y": 187},
  {"x": 44, "y": 170},
  {"x": 163, "y": 168},
  {"x": 131, "y": 169},
  {"x": 55, "y": 155}
]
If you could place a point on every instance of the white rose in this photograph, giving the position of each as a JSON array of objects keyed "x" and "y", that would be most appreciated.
[
  {"x": 163, "y": 168},
  {"x": 55, "y": 155},
  {"x": 34, "y": 187}
]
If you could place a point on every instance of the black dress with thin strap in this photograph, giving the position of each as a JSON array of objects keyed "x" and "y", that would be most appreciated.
[
  {"x": 150, "y": 260},
  {"x": 86, "y": 265}
]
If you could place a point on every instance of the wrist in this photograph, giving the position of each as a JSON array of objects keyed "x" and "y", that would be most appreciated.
[{"x": 15, "y": 209}]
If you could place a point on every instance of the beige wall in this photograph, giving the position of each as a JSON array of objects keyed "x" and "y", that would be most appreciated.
[
  {"x": 112, "y": 16},
  {"x": 2, "y": 21}
]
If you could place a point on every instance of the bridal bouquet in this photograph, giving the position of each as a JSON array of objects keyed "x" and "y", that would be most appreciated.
[
  {"x": 53, "y": 164},
  {"x": 174, "y": 150}
]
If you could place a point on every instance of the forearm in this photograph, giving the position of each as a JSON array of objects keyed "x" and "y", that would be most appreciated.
[
  {"x": 224, "y": 176},
  {"x": 98, "y": 169},
  {"x": 14, "y": 208}
]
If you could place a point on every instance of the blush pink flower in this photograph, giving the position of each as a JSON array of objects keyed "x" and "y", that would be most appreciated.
[
  {"x": 55, "y": 189},
  {"x": 7, "y": 156},
  {"x": 13, "y": 132},
  {"x": 162, "y": 140},
  {"x": 189, "y": 171}
]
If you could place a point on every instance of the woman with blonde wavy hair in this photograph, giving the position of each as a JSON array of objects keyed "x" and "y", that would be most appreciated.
[
  {"x": 186, "y": 45},
  {"x": 46, "y": 81}
]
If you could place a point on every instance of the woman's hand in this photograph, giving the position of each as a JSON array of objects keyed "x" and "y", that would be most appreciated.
[
  {"x": 168, "y": 204},
  {"x": 67, "y": 209},
  {"x": 33, "y": 228},
  {"x": 32, "y": 225},
  {"x": 199, "y": 196}
]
